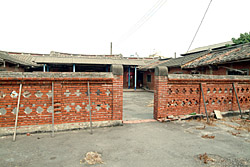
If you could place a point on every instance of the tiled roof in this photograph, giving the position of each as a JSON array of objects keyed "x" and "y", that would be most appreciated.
[
  {"x": 29, "y": 59},
  {"x": 222, "y": 56},
  {"x": 193, "y": 56},
  {"x": 174, "y": 62},
  {"x": 80, "y": 60},
  {"x": 209, "y": 47},
  {"x": 177, "y": 62},
  {"x": 154, "y": 64},
  {"x": 22, "y": 58},
  {"x": 62, "y": 58}
]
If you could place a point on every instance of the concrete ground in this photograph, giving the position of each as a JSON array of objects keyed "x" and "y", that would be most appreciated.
[
  {"x": 137, "y": 105},
  {"x": 178, "y": 143}
]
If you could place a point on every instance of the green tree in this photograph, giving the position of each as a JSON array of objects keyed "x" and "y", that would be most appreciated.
[{"x": 244, "y": 38}]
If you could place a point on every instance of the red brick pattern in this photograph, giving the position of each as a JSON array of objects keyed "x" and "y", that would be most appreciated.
[
  {"x": 70, "y": 100},
  {"x": 117, "y": 97},
  {"x": 183, "y": 96}
]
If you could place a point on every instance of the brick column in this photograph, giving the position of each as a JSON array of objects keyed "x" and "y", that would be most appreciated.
[
  {"x": 160, "y": 87},
  {"x": 117, "y": 92}
]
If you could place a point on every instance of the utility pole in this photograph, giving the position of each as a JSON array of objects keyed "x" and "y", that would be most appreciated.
[
  {"x": 175, "y": 55},
  {"x": 110, "y": 48}
]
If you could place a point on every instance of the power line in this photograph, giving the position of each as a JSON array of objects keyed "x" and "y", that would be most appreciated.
[
  {"x": 144, "y": 19},
  {"x": 150, "y": 14},
  {"x": 199, "y": 25},
  {"x": 146, "y": 14}
]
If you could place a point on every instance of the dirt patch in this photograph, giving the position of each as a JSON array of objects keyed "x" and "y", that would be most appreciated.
[
  {"x": 92, "y": 158},
  {"x": 238, "y": 124},
  {"x": 205, "y": 158},
  {"x": 219, "y": 161},
  {"x": 201, "y": 128},
  {"x": 234, "y": 133},
  {"x": 208, "y": 137}
]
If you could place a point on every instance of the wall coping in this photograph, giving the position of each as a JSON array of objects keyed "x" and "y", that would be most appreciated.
[
  {"x": 207, "y": 77},
  {"x": 161, "y": 71},
  {"x": 56, "y": 75},
  {"x": 117, "y": 69}
]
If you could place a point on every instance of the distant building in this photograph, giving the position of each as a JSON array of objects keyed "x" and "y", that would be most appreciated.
[
  {"x": 217, "y": 59},
  {"x": 65, "y": 62},
  {"x": 232, "y": 60}
]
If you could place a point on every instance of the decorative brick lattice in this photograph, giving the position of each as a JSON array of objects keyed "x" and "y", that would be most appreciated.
[
  {"x": 14, "y": 94},
  {"x": 182, "y": 99},
  {"x": 26, "y": 94},
  {"x": 78, "y": 108},
  {"x": 50, "y": 109},
  {"x": 78, "y": 93},
  {"x": 67, "y": 108},
  {"x": 39, "y": 110},
  {"x": 98, "y": 92},
  {"x": 107, "y": 106},
  {"x": 14, "y": 111},
  {"x": 39, "y": 94},
  {"x": 28, "y": 110},
  {"x": 70, "y": 100},
  {"x": 2, "y": 111},
  {"x": 2, "y": 94},
  {"x": 49, "y": 94},
  {"x": 183, "y": 96},
  {"x": 98, "y": 107},
  {"x": 79, "y": 105},
  {"x": 88, "y": 108},
  {"x": 67, "y": 93},
  {"x": 108, "y": 92}
]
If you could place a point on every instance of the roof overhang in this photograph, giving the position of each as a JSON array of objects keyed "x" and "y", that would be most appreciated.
[{"x": 80, "y": 60}]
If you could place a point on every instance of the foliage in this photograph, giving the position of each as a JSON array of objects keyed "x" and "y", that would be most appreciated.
[{"x": 244, "y": 38}]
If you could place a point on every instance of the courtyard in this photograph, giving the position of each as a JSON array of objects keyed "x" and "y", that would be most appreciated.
[
  {"x": 178, "y": 143},
  {"x": 138, "y": 105}
]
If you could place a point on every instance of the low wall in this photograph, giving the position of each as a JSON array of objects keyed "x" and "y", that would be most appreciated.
[
  {"x": 71, "y": 103},
  {"x": 180, "y": 94}
]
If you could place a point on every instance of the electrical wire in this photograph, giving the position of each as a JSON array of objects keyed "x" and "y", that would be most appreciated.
[
  {"x": 199, "y": 25},
  {"x": 143, "y": 19}
]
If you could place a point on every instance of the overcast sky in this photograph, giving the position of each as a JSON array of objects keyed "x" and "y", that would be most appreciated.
[{"x": 88, "y": 26}]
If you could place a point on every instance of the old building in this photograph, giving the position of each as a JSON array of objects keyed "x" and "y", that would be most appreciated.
[
  {"x": 232, "y": 60},
  {"x": 174, "y": 67},
  {"x": 218, "y": 59},
  {"x": 23, "y": 62},
  {"x": 66, "y": 62}
]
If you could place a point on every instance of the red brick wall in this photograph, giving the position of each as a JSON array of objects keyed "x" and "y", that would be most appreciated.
[
  {"x": 70, "y": 99},
  {"x": 180, "y": 95},
  {"x": 177, "y": 70},
  {"x": 117, "y": 98},
  {"x": 149, "y": 85}
]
